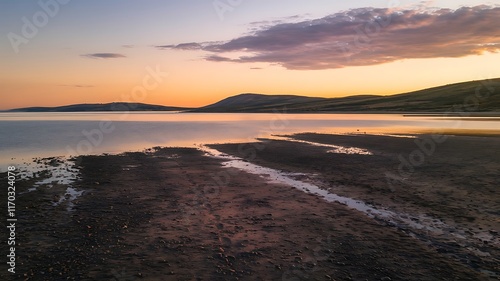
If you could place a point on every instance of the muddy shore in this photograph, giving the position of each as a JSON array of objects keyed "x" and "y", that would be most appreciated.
[
  {"x": 447, "y": 184},
  {"x": 177, "y": 214}
]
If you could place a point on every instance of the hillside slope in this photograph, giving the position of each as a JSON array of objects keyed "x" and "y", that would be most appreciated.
[
  {"x": 256, "y": 103},
  {"x": 477, "y": 96}
]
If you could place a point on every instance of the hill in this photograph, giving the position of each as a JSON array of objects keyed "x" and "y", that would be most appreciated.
[
  {"x": 478, "y": 96},
  {"x": 473, "y": 96},
  {"x": 115, "y": 106},
  {"x": 256, "y": 103}
]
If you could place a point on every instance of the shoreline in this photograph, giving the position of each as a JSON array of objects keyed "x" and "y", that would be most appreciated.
[
  {"x": 175, "y": 211},
  {"x": 494, "y": 115}
]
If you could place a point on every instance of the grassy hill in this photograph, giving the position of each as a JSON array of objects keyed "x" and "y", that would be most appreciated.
[
  {"x": 478, "y": 96},
  {"x": 256, "y": 103}
]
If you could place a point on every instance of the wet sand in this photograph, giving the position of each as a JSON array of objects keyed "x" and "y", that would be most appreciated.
[
  {"x": 452, "y": 191},
  {"x": 177, "y": 214}
]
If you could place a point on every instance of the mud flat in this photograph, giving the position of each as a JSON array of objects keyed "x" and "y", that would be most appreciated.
[
  {"x": 443, "y": 190},
  {"x": 181, "y": 214}
]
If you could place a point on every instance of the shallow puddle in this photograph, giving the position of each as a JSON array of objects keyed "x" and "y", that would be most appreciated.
[
  {"x": 55, "y": 170},
  {"x": 70, "y": 195},
  {"x": 335, "y": 148}
]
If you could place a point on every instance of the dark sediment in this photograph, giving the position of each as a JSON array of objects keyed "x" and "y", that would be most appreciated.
[{"x": 174, "y": 214}]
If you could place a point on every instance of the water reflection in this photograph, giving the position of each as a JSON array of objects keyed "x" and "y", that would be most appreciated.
[{"x": 28, "y": 135}]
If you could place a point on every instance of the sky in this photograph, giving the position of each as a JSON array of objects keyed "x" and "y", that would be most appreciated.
[{"x": 195, "y": 52}]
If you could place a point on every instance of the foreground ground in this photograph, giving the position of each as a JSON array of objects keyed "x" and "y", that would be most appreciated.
[
  {"x": 175, "y": 214},
  {"x": 449, "y": 184}
]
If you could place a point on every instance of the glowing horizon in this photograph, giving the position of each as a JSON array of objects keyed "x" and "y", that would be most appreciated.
[{"x": 212, "y": 52}]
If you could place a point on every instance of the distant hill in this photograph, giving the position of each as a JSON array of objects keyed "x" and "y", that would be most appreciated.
[
  {"x": 256, "y": 103},
  {"x": 477, "y": 96},
  {"x": 438, "y": 99},
  {"x": 115, "y": 106}
]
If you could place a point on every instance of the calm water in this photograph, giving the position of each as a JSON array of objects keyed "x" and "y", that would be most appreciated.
[{"x": 27, "y": 135}]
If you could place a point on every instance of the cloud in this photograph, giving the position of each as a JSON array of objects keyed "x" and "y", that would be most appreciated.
[
  {"x": 104, "y": 56},
  {"x": 365, "y": 36},
  {"x": 218, "y": 58},
  {"x": 183, "y": 46},
  {"x": 258, "y": 25}
]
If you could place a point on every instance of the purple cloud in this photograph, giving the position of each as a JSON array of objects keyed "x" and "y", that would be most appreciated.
[
  {"x": 183, "y": 46},
  {"x": 365, "y": 36},
  {"x": 104, "y": 56}
]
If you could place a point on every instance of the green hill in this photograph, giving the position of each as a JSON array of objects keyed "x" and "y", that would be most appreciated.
[
  {"x": 477, "y": 96},
  {"x": 256, "y": 103}
]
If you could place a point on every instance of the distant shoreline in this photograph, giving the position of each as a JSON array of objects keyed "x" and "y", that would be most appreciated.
[
  {"x": 463, "y": 115},
  {"x": 467, "y": 98}
]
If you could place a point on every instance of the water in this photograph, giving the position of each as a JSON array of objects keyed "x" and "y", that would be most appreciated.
[
  {"x": 28, "y": 135},
  {"x": 335, "y": 148}
]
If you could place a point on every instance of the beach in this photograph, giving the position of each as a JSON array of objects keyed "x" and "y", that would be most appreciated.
[{"x": 171, "y": 213}]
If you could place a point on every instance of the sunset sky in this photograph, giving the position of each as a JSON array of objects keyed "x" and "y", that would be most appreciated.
[{"x": 196, "y": 52}]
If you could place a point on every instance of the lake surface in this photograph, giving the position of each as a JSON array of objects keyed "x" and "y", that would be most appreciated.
[{"x": 24, "y": 136}]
